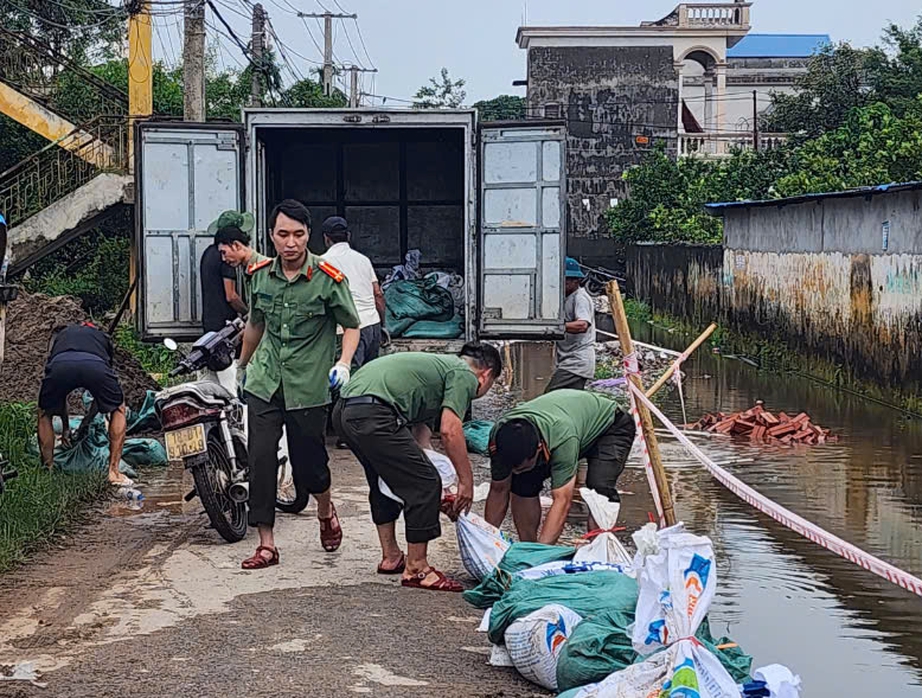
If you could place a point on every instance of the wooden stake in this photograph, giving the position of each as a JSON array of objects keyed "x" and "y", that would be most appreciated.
[
  {"x": 678, "y": 364},
  {"x": 646, "y": 421}
]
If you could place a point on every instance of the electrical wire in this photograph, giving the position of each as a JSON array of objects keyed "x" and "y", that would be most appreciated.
[{"x": 118, "y": 15}]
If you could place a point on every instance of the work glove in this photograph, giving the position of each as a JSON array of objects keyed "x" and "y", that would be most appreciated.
[{"x": 339, "y": 376}]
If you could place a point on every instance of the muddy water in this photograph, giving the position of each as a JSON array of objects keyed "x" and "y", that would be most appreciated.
[{"x": 784, "y": 599}]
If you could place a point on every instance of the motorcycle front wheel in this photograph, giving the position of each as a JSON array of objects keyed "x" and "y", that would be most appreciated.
[
  {"x": 228, "y": 518},
  {"x": 287, "y": 498}
]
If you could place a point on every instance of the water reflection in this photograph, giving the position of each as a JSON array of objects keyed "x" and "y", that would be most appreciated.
[{"x": 785, "y": 599}]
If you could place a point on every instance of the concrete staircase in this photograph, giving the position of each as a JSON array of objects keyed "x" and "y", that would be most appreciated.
[{"x": 82, "y": 175}]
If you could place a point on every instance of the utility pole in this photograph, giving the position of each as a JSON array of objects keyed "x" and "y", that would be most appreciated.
[
  {"x": 258, "y": 44},
  {"x": 755, "y": 120},
  {"x": 328, "y": 18},
  {"x": 355, "y": 99},
  {"x": 193, "y": 56}
]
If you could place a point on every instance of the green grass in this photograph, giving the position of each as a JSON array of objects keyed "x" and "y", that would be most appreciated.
[
  {"x": 38, "y": 505},
  {"x": 154, "y": 358}
]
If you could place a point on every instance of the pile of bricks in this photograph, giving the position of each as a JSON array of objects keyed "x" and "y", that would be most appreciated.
[{"x": 760, "y": 425}]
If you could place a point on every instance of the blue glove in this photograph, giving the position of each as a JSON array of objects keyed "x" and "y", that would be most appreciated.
[{"x": 339, "y": 376}]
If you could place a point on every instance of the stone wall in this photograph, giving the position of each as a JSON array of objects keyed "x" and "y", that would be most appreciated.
[{"x": 609, "y": 96}]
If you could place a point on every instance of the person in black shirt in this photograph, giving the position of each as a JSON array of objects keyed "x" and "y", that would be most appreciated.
[
  {"x": 220, "y": 300},
  {"x": 81, "y": 357}
]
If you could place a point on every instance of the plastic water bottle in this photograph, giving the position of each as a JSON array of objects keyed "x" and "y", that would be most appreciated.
[{"x": 133, "y": 496}]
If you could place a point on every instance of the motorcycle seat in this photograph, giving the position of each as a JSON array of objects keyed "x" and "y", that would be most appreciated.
[{"x": 208, "y": 392}]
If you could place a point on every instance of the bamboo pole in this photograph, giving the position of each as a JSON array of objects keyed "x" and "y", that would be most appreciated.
[
  {"x": 646, "y": 421},
  {"x": 678, "y": 363}
]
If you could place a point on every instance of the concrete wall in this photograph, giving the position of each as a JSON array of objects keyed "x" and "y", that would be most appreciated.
[
  {"x": 815, "y": 275},
  {"x": 609, "y": 95}
]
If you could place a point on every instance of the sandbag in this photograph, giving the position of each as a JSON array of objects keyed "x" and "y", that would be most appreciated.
[
  {"x": 481, "y": 545},
  {"x": 535, "y": 641},
  {"x": 677, "y": 581},
  {"x": 605, "y": 547},
  {"x": 143, "y": 452},
  {"x": 145, "y": 419},
  {"x": 407, "y": 302},
  {"x": 477, "y": 436},
  {"x": 520, "y": 556},
  {"x": 601, "y": 646},
  {"x": 433, "y": 329},
  {"x": 443, "y": 465},
  {"x": 585, "y": 594}
]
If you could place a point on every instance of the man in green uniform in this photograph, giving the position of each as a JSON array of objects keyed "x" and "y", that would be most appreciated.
[
  {"x": 288, "y": 350},
  {"x": 375, "y": 417},
  {"x": 545, "y": 438}
]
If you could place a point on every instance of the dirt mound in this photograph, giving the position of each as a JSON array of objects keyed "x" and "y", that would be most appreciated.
[{"x": 31, "y": 319}]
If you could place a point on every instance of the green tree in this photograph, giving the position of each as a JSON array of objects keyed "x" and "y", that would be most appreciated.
[
  {"x": 895, "y": 69},
  {"x": 834, "y": 84},
  {"x": 440, "y": 93},
  {"x": 308, "y": 93},
  {"x": 502, "y": 108},
  {"x": 875, "y": 146},
  {"x": 76, "y": 28}
]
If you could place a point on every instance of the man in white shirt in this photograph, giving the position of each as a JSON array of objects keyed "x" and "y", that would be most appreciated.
[{"x": 363, "y": 284}]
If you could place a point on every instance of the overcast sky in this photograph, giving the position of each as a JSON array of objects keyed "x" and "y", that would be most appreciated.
[{"x": 410, "y": 40}]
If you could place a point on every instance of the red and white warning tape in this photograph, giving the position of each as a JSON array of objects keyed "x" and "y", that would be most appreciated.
[{"x": 786, "y": 518}]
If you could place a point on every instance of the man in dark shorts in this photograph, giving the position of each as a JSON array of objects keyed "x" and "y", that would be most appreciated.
[
  {"x": 375, "y": 416},
  {"x": 81, "y": 357},
  {"x": 545, "y": 438}
]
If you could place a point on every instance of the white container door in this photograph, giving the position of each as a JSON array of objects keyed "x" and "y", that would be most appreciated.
[
  {"x": 187, "y": 175},
  {"x": 522, "y": 230}
]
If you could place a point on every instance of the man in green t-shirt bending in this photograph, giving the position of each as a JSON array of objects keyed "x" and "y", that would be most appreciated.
[
  {"x": 375, "y": 417},
  {"x": 545, "y": 438}
]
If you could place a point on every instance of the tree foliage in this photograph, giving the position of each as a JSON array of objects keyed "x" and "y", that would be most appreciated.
[
  {"x": 857, "y": 121},
  {"x": 502, "y": 108},
  {"x": 80, "y": 29},
  {"x": 440, "y": 93}
]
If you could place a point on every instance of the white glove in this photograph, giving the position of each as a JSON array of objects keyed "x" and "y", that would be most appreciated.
[{"x": 339, "y": 376}]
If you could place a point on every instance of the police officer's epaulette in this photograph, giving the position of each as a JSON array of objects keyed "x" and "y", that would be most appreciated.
[
  {"x": 331, "y": 271},
  {"x": 256, "y": 266}
]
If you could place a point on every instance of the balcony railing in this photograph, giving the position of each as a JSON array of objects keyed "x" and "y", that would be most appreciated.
[
  {"x": 714, "y": 15},
  {"x": 719, "y": 145}
]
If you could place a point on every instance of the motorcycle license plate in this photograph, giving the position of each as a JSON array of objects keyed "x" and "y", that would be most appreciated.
[{"x": 182, "y": 443}]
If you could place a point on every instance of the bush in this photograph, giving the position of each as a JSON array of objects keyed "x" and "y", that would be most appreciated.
[{"x": 156, "y": 359}]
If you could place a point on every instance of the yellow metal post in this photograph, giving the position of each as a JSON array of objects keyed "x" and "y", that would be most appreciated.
[
  {"x": 140, "y": 72},
  {"x": 140, "y": 101}
]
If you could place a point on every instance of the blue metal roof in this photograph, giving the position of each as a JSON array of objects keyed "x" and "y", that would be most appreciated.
[
  {"x": 778, "y": 45},
  {"x": 719, "y": 209}
]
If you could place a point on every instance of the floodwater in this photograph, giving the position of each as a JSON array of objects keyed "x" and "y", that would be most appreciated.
[{"x": 783, "y": 598}]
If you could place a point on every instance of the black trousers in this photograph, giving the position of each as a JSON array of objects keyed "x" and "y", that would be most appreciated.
[
  {"x": 307, "y": 452},
  {"x": 386, "y": 448},
  {"x": 564, "y": 380}
]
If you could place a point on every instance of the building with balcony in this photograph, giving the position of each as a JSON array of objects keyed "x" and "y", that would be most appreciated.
[{"x": 694, "y": 80}]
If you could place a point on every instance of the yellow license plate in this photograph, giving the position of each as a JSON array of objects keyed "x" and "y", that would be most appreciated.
[{"x": 183, "y": 443}]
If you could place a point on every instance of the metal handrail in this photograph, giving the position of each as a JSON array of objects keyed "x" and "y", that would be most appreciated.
[{"x": 62, "y": 167}]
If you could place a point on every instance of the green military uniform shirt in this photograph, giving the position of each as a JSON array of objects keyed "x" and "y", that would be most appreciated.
[
  {"x": 298, "y": 346},
  {"x": 569, "y": 422},
  {"x": 248, "y": 271},
  {"x": 418, "y": 385}
]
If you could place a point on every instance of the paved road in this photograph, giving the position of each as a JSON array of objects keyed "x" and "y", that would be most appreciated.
[{"x": 156, "y": 604}]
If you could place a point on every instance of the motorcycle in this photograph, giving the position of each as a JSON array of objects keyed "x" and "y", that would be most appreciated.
[{"x": 204, "y": 427}]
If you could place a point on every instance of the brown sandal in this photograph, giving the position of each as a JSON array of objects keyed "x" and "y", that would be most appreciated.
[
  {"x": 443, "y": 583},
  {"x": 260, "y": 561},
  {"x": 397, "y": 569},
  {"x": 331, "y": 533}
]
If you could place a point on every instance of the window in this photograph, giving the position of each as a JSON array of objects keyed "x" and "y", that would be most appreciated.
[{"x": 552, "y": 111}]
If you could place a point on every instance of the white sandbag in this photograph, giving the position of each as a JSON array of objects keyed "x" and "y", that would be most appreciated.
[
  {"x": 482, "y": 546},
  {"x": 443, "y": 465},
  {"x": 535, "y": 641},
  {"x": 605, "y": 547},
  {"x": 499, "y": 657},
  {"x": 780, "y": 680},
  {"x": 677, "y": 582}
]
